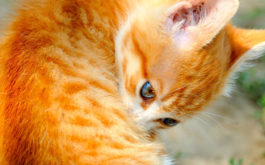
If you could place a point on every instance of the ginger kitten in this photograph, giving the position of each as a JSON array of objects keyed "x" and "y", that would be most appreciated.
[
  {"x": 73, "y": 71},
  {"x": 176, "y": 56}
]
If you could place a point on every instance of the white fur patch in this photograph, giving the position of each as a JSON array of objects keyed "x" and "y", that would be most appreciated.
[
  {"x": 166, "y": 160},
  {"x": 244, "y": 63}
]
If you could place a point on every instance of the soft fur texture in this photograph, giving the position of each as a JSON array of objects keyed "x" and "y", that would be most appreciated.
[
  {"x": 65, "y": 65},
  {"x": 186, "y": 51}
]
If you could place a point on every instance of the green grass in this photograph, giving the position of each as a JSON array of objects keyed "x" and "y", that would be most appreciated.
[{"x": 232, "y": 161}]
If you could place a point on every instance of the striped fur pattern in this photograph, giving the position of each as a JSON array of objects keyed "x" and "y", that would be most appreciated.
[
  {"x": 187, "y": 53},
  {"x": 65, "y": 65},
  {"x": 59, "y": 98}
]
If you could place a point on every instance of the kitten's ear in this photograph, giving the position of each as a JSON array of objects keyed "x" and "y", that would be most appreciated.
[
  {"x": 246, "y": 44},
  {"x": 194, "y": 24}
]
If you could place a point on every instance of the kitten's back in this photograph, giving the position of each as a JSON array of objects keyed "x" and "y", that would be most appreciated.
[{"x": 59, "y": 98}]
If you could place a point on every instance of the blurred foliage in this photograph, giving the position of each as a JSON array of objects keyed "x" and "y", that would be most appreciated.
[
  {"x": 235, "y": 162},
  {"x": 180, "y": 155},
  {"x": 255, "y": 87},
  {"x": 252, "y": 81},
  {"x": 251, "y": 14}
]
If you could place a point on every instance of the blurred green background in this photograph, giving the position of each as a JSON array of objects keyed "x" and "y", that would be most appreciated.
[{"x": 252, "y": 81}]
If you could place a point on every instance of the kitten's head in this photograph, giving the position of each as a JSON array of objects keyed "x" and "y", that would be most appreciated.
[{"x": 175, "y": 58}]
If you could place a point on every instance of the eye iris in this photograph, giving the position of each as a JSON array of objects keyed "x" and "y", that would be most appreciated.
[
  {"x": 147, "y": 91},
  {"x": 170, "y": 122}
]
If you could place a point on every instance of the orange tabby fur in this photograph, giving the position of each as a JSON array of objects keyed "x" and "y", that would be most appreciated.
[
  {"x": 59, "y": 98},
  {"x": 60, "y": 102},
  {"x": 187, "y": 66}
]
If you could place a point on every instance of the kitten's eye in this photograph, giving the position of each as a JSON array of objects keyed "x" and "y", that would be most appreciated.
[
  {"x": 169, "y": 122},
  {"x": 147, "y": 91}
]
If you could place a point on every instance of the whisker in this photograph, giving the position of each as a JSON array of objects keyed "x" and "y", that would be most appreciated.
[
  {"x": 202, "y": 121},
  {"x": 220, "y": 117},
  {"x": 218, "y": 123},
  {"x": 205, "y": 133},
  {"x": 210, "y": 117}
]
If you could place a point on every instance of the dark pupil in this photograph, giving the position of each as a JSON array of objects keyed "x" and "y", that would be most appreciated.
[
  {"x": 169, "y": 122},
  {"x": 147, "y": 91}
]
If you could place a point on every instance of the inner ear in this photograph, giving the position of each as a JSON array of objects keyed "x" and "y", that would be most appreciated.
[
  {"x": 196, "y": 23},
  {"x": 186, "y": 14}
]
